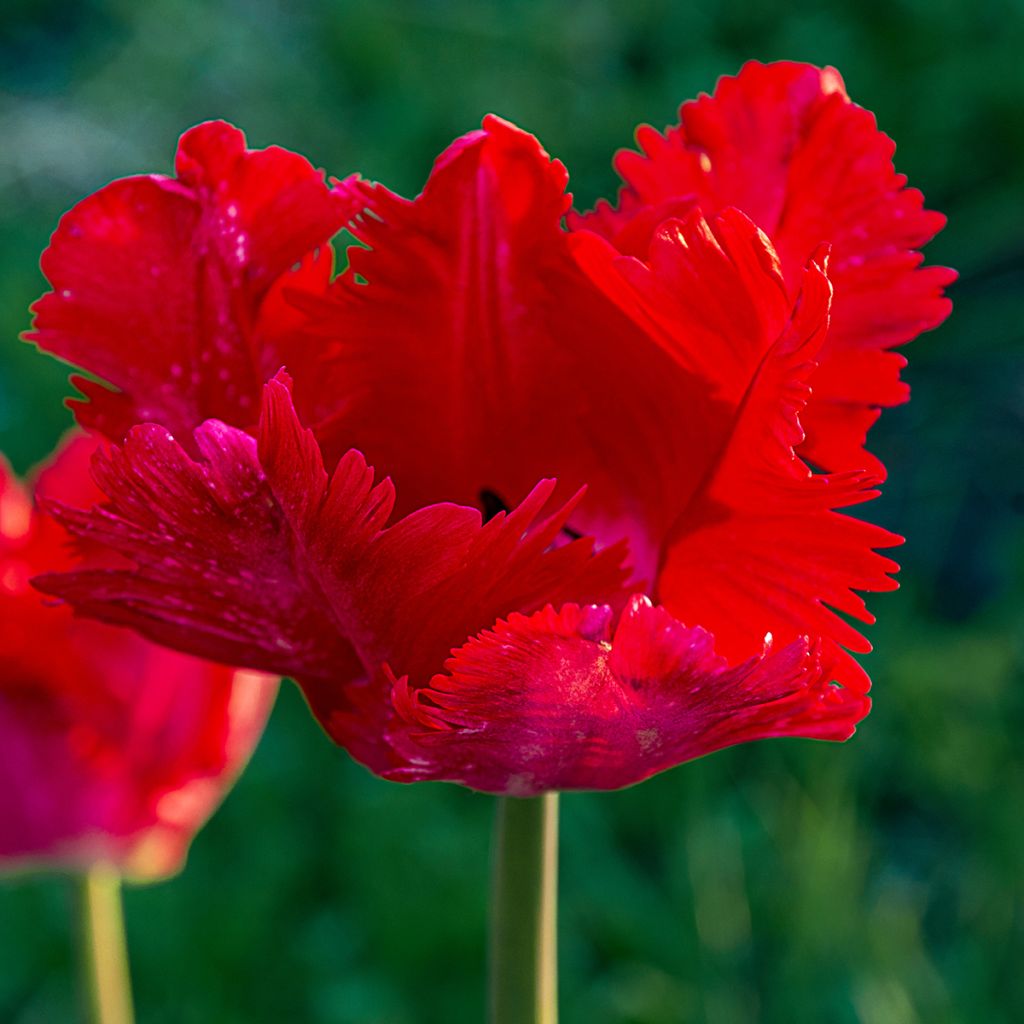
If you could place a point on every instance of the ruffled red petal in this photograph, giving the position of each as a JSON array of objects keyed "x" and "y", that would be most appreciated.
[
  {"x": 756, "y": 546},
  {"x": 559, "y": 700},
  {"x": 256, "y": 555},
  {"x": 170, "y": 290},
  {"x": 111, "y": 749},
  {"x": 467, "y": 326},
  {"x": 783, "y": 143}
]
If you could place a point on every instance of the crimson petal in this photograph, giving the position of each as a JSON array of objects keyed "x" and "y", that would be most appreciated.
[
  {"x": 468, "y": 326},
  {"x": 756, "y": 547},
  {"x": 558, "y": 700},
  {"x": 784, "y": 143},
  {"x": 172, "y": 289}
]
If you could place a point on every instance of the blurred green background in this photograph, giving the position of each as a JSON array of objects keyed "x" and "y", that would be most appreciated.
[{"x": 785, "y": 882}]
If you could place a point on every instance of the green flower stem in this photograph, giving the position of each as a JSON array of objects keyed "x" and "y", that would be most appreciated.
[
  {"x": 524, "y": 939},
  {"x": 104, "y": 949}
]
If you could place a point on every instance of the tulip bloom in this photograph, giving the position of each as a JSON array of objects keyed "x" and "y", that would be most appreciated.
[
  {"x": 600, "y": 550},
  {"x": 113, "y": 751}
]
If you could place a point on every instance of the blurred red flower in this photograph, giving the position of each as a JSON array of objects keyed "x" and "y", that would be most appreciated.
[
  {"x": 111, "y": 749},
  {"x": 472, "y": 348}
]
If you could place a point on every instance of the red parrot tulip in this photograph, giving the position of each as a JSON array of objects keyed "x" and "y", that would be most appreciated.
[{"x": 599, "y": 551}]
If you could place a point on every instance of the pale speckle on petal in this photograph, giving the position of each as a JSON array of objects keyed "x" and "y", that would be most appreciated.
[{"x": 648, "y": 739}]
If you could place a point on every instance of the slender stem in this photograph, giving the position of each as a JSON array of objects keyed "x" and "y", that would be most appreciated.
[
  {"x": 524, "y": 937},
  {"x": 104, "y": 948}
]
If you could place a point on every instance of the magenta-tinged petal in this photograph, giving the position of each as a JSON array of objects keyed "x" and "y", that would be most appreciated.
[
  {"x": 560, "y": 700},
  {"x": 210, "y": 556},
  {"x": 111, "y": 749}
]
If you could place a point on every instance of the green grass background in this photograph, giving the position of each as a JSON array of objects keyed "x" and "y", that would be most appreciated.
[{"x": 786, "y": 882}]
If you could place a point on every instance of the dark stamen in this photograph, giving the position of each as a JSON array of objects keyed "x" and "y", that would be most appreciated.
[{"x": 491, "y": 505}]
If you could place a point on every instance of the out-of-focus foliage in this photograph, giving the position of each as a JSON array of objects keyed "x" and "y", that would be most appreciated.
[{"x": 789, "y": 882}]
